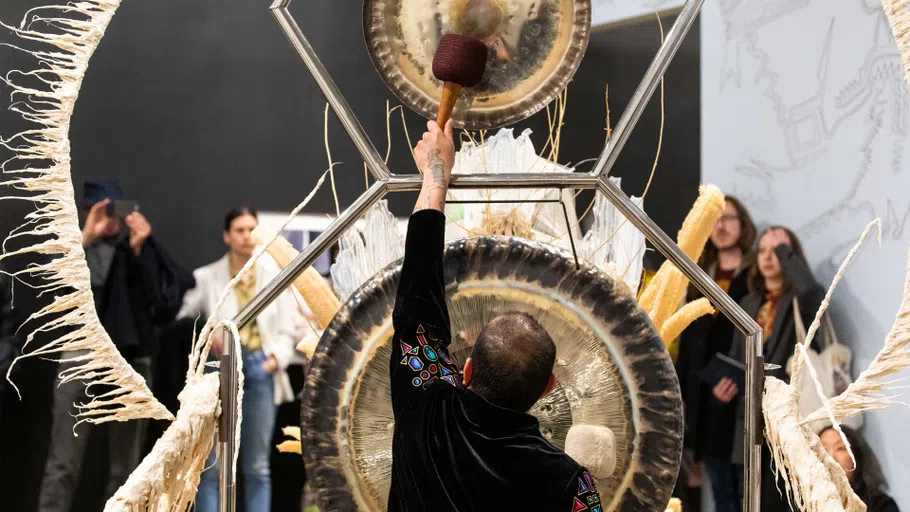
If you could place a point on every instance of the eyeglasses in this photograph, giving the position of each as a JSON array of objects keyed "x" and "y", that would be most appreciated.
[{"x": 727, "y": 218}]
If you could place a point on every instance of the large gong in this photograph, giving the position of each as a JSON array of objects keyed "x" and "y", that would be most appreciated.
[
  {"x": 535, "y": 47},
  {"x": 611, "y": 367}
]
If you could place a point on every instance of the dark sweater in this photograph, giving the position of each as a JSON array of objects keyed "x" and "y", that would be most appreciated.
[
  {"x": 453, "y": 450},
  {"x": 709, "y": 423},
  {"x": 135, "y": 295}
]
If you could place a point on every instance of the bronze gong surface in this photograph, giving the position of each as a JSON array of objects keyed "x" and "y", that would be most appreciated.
[
  {"x": 612, "y": 370},
  {"x": 535, "y": 47}
]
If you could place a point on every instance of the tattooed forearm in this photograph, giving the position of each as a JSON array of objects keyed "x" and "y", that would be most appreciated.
[{"x": 435, "y": 184}]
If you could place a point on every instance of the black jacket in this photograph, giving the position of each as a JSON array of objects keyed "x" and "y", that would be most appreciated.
[
  {"x": 138, "y": 295},
  {"x": 882, "y": 503},
  {"x": 782, "y": 341},
  {"x": 709, "y": 423},
  {"x": 453, "y": 450}
]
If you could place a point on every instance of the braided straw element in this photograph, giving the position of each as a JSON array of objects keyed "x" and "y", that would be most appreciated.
[{"x": 667, "y": 290}]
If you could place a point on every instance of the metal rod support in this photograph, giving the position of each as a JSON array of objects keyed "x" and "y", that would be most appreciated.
[
  {"x": 351, "y": 125},
  {"x": 309, "y": 254},
  {"x": 730, "y": 309},
  {"x": 578, "y": 180},
  {"x": 596, "y": 179},
  {"x": 227, "y": 492},
  {"x": 654, "y": 74},
  {"x": 565, "y": 214}
]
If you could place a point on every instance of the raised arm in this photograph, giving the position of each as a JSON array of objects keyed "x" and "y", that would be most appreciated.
[
  {"x": 435, "y": 157},
  {"x": 421, "y": 318}
]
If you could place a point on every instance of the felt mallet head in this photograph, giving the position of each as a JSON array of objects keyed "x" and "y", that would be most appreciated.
[{"x": 459, "y": 62}]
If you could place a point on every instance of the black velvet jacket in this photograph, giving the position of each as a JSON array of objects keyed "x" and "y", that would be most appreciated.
[{"x": 453, "y": 450}]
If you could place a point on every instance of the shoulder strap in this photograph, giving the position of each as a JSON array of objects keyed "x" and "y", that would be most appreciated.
[
  {"x": 798, "y": 322},
  {"x": 828, "y": 335}
]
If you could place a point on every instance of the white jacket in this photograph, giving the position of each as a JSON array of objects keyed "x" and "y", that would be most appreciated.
[{"x": 277, "y": 323}]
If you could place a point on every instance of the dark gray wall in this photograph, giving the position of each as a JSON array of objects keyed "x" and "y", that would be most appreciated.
[{"x": 200, "y": 105}]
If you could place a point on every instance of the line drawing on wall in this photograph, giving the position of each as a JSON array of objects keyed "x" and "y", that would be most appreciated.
[{"x": 854, "y": 116}]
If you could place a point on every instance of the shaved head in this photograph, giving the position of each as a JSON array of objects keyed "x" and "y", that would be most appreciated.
[{"x": 512, "y": 361}]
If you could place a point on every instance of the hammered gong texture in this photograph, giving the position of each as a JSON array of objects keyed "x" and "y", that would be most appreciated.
[
  {"x": 535, "y": 47},
  {"x": 612, "y": 370}
]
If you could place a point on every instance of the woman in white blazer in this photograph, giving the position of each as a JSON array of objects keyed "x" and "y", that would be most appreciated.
[{"x": 268, "y": 349}]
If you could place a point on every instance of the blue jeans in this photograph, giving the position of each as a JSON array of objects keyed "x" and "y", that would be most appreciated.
[
  {"x": 726, "y": 484},
  {"x": 259, "y": 412}
]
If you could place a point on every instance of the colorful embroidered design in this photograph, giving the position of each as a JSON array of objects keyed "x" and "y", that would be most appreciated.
[
  {"x": 587, "y": 499},
  {"x": 590, "y": 481},
  {"x": 431, "y": 362}
]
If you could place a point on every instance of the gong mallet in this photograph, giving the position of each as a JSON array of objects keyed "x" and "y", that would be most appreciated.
[{"x": 459, "y": 62}]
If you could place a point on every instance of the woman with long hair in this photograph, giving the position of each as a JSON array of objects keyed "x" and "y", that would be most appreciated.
[
  {"x": 267, "y": 349},
  {"x": 866, "y": 478},
  {"x": 780, "y": 279},
  {"x": 709, "y": 423}
]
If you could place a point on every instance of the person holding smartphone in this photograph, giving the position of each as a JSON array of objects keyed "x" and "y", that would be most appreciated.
[{"x": 138, "y": 288}]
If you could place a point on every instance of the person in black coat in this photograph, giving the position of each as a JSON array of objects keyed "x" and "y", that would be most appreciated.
[
  {"x": 780, "y": 277},
  {"x": 709, "y": 423},
  {"x": 463, "y": 439},
  {"x": 138, "y": 289},
  {"x": 866, "y": 478}
]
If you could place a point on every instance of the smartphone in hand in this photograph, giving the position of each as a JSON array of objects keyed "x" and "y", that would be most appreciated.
[{"x": 121, "y": 208}]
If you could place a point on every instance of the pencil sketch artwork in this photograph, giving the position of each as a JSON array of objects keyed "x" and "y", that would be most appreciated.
[
  {"x": 820, "y": 86},
  {"x": 805, "y": 118}
]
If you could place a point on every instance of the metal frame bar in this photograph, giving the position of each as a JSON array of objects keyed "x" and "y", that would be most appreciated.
[
  {"x": 596, "y": 179},
  {"x": 227, "y": 425}
]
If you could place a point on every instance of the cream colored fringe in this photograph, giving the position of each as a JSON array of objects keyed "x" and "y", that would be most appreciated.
[
  {"x": 869, "y": 391},
  {"x": 898, "y": 12},
  {"x": 41, "y": 163},
  {"x": 801, "y": 353},
  {"x": 816, "y": 482},
  {"x": 166, "y": 480},
  {"x": 168, "y": 477}
]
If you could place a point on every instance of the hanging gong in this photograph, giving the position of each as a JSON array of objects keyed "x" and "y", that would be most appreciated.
[
  {"x": 611, "y": 367},
  {"x": 535, "y": 47}
]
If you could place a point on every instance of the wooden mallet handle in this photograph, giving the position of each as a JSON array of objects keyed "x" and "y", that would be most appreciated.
[{"x": 450, "y": 92}]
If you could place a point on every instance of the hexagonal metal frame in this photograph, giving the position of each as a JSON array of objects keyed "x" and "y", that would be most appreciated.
[{"x": 597, "y": 179}]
